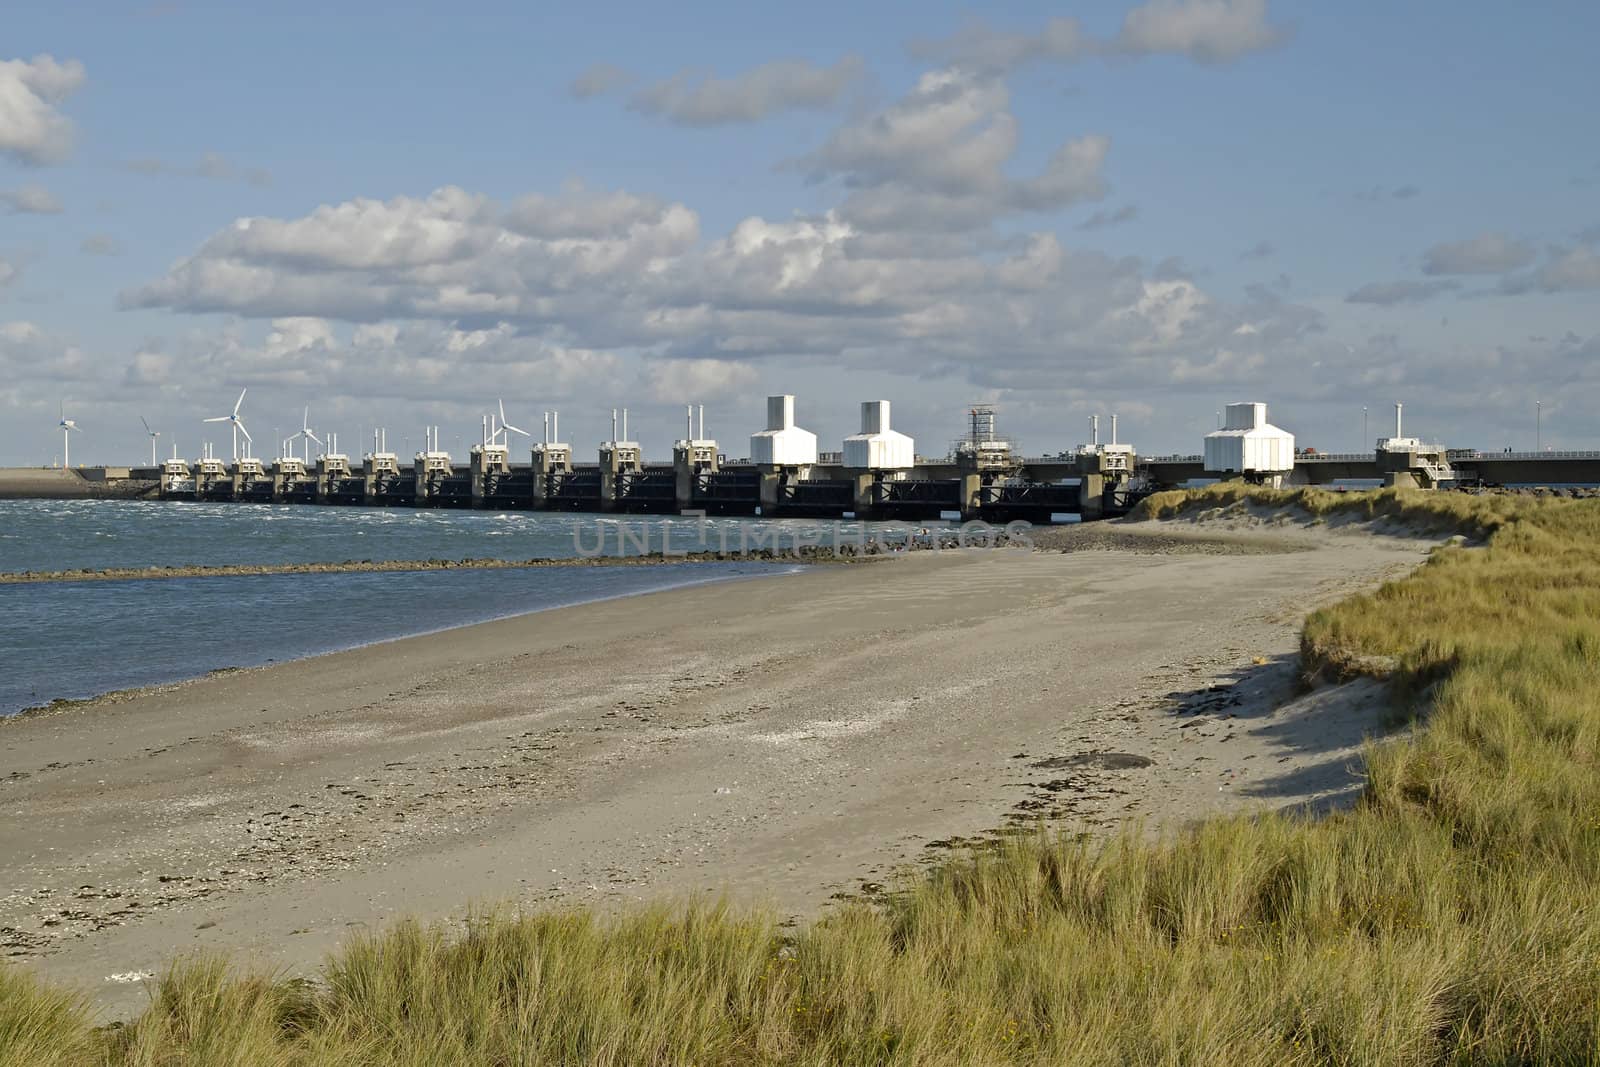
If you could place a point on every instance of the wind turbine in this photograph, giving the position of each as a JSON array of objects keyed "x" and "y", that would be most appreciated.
[
  {"x": 153, "y": 435},
  {"x": 307, "y": 434},
  {"x": 237, "y": 424},
  {"x": 504, "y": 425},
  {"x": 67, "y": 427}
]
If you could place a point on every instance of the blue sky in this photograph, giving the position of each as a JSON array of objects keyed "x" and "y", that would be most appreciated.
[{"x": 1322, "y": 206}]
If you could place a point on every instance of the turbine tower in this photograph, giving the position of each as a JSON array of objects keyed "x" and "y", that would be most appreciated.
[
  {"x": 237, "y": 426},
  {"x": 153, "y": 435},
  {"x": 504, "y": 425},
  {"x": 307, "y": 434},
  {"x": 68, "y": 426}
]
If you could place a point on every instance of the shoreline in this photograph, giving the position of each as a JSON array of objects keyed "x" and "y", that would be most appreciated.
[
  {"x": 804, "y": 555},
  {"x": 780, "y": 742},
  {"x": 1070, "y": 537},
  {"x": 118, "y": 695}
]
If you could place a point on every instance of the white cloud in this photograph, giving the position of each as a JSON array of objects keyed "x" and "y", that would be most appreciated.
[
  {"x": 148, "y": 368},
  {"x": 936, "y": 158},
  {"x": 624, "y": 277},
  {"x": 9, "y": 272},
  {"x": 1489, "y": 253},
  {"x": 580, "y": 213},
  {"x": 1388, "y": 294},
  {"x": 984, "y": 49},
  {"x": 1567, "y": 270},
  {"x": 682, "y": 381},
  {"x": 382, "y": 363},
  {"x": 100, "y": 244},
  {"x": 362, "y": 234},
  {"x": 1103, "y": 219},
  {"x": 29, "y": 352},
  {"x": 951, "y": 133},
  {"x": 211, "y": 165},
  {"x": 292, "y": 337},
  {"x": 1073, "y": 174},
  {"x": 30, "y": 200},
  {"x": 450, "y": 255},
  {"x": 1165, "y": 310},
  {"x": 691, "y": 99},
  {"x": 598, "y": 79},
  {"x": 1206, "y": 31},
  {"x": 19, "y": 332},
  {"x": 32, "y": 129}
]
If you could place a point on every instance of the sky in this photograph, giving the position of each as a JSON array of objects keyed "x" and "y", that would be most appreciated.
[{"x": 402, "y": 215}]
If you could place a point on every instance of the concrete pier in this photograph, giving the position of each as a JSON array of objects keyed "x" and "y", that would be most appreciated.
[
  {"x": 551, "y": 462},
  {"x": 692, "y": 458},
  {"x": 432, "y": 475},
  {"x": 336, "y": 483},
  {"x": 248, "y": 478},
  {"x": 618, "y": 460},
  {"x": 209, "y": 476},
  {"x": 981, "y": 464},
  {"x": 487, "y": 463},
  {"x": 773, "y": 478},
  {"x": 291, "y": 482},
  {"x": 384, "y": 484}
]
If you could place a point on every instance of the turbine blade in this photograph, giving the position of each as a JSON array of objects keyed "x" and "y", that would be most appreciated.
[
  {"x": 502, "y": 404},
  {"x": 147, "y": 428},
  {"x": 219, "y": 418},
  {"x": 518, "y": 429},
  {"x": 236, "y": 403}
]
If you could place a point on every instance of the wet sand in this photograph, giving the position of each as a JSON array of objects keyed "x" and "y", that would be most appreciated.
[
  {"x": 393, "y": 566},
  {"x": 781, "y": 739}
]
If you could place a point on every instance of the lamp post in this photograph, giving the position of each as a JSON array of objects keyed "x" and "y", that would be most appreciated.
[
  {"x": 1538, "y": 426},
  {"x": 1364, "y": 437}
]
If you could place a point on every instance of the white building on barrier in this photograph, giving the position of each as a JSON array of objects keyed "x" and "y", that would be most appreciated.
[
  {"x": 1249, "y": 445},
  {"x": 877, "y": 447},
  {"x": 782, "y": 443}
]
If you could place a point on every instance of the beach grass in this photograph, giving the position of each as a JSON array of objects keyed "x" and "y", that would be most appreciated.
[
  {"x": 39, "y": 1024},
  {"x": 1451, "y": 917}
]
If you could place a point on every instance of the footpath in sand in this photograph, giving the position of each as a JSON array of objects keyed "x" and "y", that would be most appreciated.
[{"x": 784, "y": 739}]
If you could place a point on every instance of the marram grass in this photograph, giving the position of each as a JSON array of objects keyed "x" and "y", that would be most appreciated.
[{"x": 1450, "y": 918}]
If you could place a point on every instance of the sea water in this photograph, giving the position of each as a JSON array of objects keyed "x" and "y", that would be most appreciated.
[
  {"x": 45, "y": 535},
  {"x": 67, "y": 640}
]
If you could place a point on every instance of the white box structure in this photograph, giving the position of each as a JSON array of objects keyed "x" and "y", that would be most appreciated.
[
  {"x": 877, "y": 447},
  {"x": 782, "y": 443},
  {"x": 1249, "y": 444}
]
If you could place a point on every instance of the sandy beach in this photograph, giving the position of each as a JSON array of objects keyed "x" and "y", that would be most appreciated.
[{"x": 783, "y": 740}]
